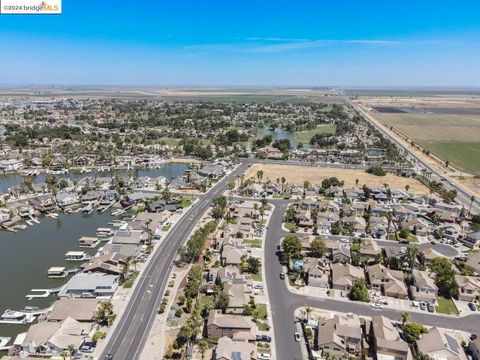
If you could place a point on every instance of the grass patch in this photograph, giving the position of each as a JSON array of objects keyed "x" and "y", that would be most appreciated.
[
  {"x": 129, "y": 282},
  {"x": 257, "y": 276},
  {"x": 261, "y": 311},
  {"x": 446, "y": 306},
  {"x": 392, "y": 237},
  {"x": 169, "y": 141},
  {"x": 165, "y": 227},
  {"x": 291, "y": 227},
  {"x": 262, "y": 326},
  {"x": 305, "y": 136},
  {"x": 282, "y": 196},
  {"x": 206, "y": 301},
  {"x": 186, "y": 201},
  {"x": 254, "y": 243}
]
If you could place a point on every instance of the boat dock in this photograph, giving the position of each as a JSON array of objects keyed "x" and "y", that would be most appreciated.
[
  {"x": 43, "y": 293},
  {"x": 3, "y": 343}
]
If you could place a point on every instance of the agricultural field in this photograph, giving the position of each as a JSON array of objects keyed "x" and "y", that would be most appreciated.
[
  {"x": 451, "y": 137},
  {"x": 298, "y": 174}
]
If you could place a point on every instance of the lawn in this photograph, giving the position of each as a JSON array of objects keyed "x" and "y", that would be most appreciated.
[
  {"x": 462, "y": 155},
  {"x": 261, "y": 311},
  {"x": 262, "y": 326},
  {"x": 305, "y": 136},
  {"x": 206, "y": 301},
  {"x": 291, "y": 227},
  {"x": 186, "y": 201},
  {"x": 169, "y": 141},
  {"x": 257, "y": 276},
  {"x": 165, "y": 227},
  {"x": 254, "y": 243},
  {"x": 446, "y": 306}
]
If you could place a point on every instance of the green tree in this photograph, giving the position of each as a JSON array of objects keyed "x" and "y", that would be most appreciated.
[
  {"x": 202, "y": 347},
  {"x": 317, "y": 247},
  {"x": 222, "y": 302},
  {"x": 404, "y": 316},
  {"x": 412, "y": 331},
  {"x": 104, "y": 314},
  {"x": 445, "y": 277},
  {"x": 292, "y": 247},
  {"x": 359, "y": 291}
]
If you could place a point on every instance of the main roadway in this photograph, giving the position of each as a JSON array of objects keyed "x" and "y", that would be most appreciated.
[{"x": 129, "y": 336}]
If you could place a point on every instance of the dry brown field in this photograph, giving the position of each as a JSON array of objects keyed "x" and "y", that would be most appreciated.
[{"x": 298, "y": 174}]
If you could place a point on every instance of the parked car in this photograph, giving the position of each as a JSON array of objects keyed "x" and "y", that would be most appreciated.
[
  {"x": 423, "y": 305},
  {"x": 264, "y": 356},
  {"x": 297, "y": 336},
  {"x": 109, "y": 356},
  {"x": 430, "y": 308},
  {"x": 472, "y": 306},
  {"x": 258, "y": 286},
  {"x": 266, "y": 338},
  {"x": 376, "y": 306},
  {"x": 282, "y": 276},
  {"x": 87, "y": 349}
]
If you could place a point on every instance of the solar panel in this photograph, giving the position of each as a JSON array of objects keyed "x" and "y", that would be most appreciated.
[
  {"x": 452, "y": 343},
  {"x": 236, "y": 355}
]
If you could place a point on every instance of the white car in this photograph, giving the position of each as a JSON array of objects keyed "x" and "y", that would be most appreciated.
[
  {"x": 297, "y": 336},
  {"x": 264, "y": 356},
  {"x": 376, "y": 306}
]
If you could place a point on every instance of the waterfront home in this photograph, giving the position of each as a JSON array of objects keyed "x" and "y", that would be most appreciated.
[
  {"x": 123, "y": 249},
  {"x": 127, "y": 235},
  {"x": 108, "y": 263},
  {"x": 233, "y": 326},
  {"x": 228, "y": 349},
  {"x": 90, "y": 285},
  {"x": 81, "y": 310},
  {"x": 91, "y": 196},
  {"x": 385, "y": 340},
  {"x": 339, "y": 335},
  {"x": 52, "y": 338},
  {"x": 439, "y": 345},
  {"x": 423, "y": 288},
  {"x": 67, "y": 199}
]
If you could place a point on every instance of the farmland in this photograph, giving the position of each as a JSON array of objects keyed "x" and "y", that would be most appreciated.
[
  {"x": 451, "y": 137},
  {"x": 298, "y": 174}
]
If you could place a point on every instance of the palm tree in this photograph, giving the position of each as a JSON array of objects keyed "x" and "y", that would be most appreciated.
[
  {"x": 389, "y": 219},
  {"x": 356, "y": 182},
  {"x": 412, "y": 254},
  {"x": 407, "y": 187},
  {"x": 472, "y": 199},
  {"x": 202, "y": 347},
  {"x": 259, "y": 175},
  {"x": 308, "y": 310},
  {"x": 63, "y": 355},
  {"x": 283, "y": 180},
  {"x": 71, "y": 350},
  {"x": 404, "y": 316}
]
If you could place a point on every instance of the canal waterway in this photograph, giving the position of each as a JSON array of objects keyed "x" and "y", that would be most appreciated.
[{"x": 26, "y": 256}]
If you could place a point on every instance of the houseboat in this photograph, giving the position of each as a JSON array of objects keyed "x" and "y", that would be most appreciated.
[
  {"x": 56, "y": 272},
  {"x": 16, "y": 317},
  {"x": 104, "y": 232},
  {"x": 77, "y": 256},
  {"x": 88, "y": 242}
]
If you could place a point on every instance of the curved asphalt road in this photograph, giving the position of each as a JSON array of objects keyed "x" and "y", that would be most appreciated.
[
  {"x": 283, "y": 303},
  {"x": 128, "y": 339}
]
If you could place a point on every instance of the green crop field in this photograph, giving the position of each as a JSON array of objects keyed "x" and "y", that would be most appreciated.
[{"x": 461, "y": 155}]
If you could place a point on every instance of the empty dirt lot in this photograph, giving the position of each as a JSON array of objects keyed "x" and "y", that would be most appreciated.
[{"x": 298, "y": 174}]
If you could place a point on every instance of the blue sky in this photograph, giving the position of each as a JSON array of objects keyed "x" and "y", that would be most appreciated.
[{"x": 263, "y": 42}]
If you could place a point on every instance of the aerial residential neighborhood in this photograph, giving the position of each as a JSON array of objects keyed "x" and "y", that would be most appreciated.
[{"x": 254, "y": 180}]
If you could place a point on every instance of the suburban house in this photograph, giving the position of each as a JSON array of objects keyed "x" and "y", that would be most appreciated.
[
  {"x": 468, "y": 288},
  {"x": 423, "y": 288},
  {"x": 228, "y": 349},
  {"x": 316, "y": 273},
  {"x": 385, "y": 340},
  {"x": 387, "y": 282},
  {"x": 427, "y": 255},
  {"x": 473, "y": 262},
  {"x": 439, "y": 345},
  {"x": 81, "y": 310},
  {"x": 239, "y": 296},
  {"x": 474, "y": 348},
  {"x": 343, "y": 276},
  {"x": 233, "y": 326},
  {"x": 368, "y": 250},
  {"x": 472, "y": 240},
  {"x": 108, "y": 263},
  {"x": 339, "y": 335}
]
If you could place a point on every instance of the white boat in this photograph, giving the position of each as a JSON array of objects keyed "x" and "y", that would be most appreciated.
[
  {"x": 77, "y": 256},
  {"x": 34, "y": 220},
  {"x": 29, "y": 222},
  {"x": 117, "y": 212},
  {"x": 52, "y": 215},
  {"x": 16, "y": 317},
  {"x": 85, "y": 170}
]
